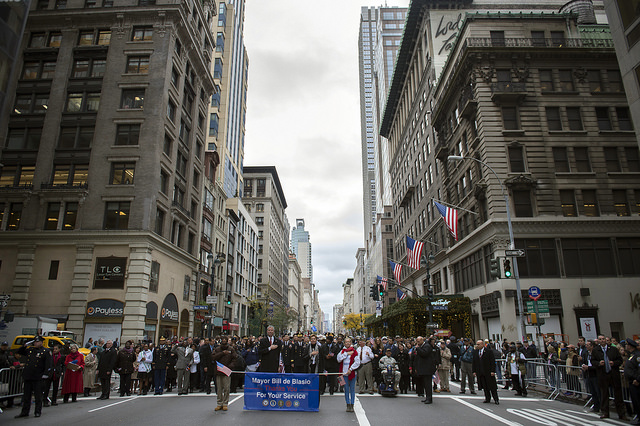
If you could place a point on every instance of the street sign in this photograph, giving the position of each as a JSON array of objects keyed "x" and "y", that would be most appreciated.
[
  {"x": 212, "y": 300},
  {"x": 514, "y": 253},
  {"x": 5, "y": 297},
  {"x": 432, "y": 325},
  {"x": 543, "y": 306},
  {"x": 270, "y": 303},
  {"x": 200, "y": 308},
  {"x": 544, "y": 315},
  {"x": 535, "y": 292}
]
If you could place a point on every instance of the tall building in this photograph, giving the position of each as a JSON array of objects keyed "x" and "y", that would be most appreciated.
[
  {"x": 380, "y": 35},
  {"x": 301, "y": 247},
  {"x": 102, "y": 165},
  {"x": 534, "y": 104},
  {"x": 296, "y": 297},
  {"x": 624, "y": 20},
  {"x": 265, "y": 202},
  {"x": 227, "y": 112}
]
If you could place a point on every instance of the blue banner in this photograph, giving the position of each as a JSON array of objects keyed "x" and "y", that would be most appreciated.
[{"x": 281, "y": 392}]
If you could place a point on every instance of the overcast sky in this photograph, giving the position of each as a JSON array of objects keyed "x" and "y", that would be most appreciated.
[{"x": 303, "y": 117}]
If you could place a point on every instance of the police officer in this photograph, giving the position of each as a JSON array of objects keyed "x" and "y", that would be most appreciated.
[
  {"x": 632, "y": 373},
  {"x": 299, "y": 360},
  {"x": 287, "y": 354},
  {"x": 37, "y": 364}
]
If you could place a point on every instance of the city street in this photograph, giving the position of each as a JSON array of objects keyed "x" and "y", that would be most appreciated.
[{"x": 372, "y": 410}]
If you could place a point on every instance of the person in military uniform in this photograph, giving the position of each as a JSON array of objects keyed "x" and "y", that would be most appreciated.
[
  {"x": 287, "y": 354},
  {"x": 632, "y": 373},
  {"x": 329, "y": 352},
  {"x": 160, "y": 365},
  {"x": 299, "y": 361},
  {"x": 37, "y": 364}
]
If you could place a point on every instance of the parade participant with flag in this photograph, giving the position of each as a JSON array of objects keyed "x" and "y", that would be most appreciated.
[{"x": 224, "y": 357}]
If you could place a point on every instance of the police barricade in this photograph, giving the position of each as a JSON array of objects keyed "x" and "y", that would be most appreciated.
[
  {"x": 11, "y": 385},
  {"x": 571, "y": 382},
  {"x": 281, "y": 392},
  {"x": 542, "y": 374}
]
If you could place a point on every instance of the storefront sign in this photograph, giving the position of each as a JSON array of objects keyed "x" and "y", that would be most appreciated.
[
  {"x": 105, "y": 308},
  {"x": 102, "y": 331},
  {"x": 169, "y": 311},
  {"x": 110, "y": 272},
  {"x": 441, "y": 305}
]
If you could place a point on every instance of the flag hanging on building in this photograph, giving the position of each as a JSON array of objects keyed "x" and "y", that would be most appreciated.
[
  {"x": 397, "y": 269},
  {"x": 414, "y": 252},
  {"x": 401, "y": 294},
  {"x": 382, "y": 281},
  {"x": 223, "y": 369},
  {"x": 450, "y": 217}
]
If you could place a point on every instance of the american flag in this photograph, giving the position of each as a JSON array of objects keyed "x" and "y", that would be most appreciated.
[
  {"x": 401, "y": 294},
  {"x": 382, "y": 281},
  {"x": 414, "y": 252},
  {"x": 450, "y": 217},
  {"x": 223, "y": 369},
  {"x": 397, "y": 269}
]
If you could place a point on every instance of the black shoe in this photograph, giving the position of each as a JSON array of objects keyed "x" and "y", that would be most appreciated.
[
  {"x": 486, "y": 401},
  {"x": 45, "y": 404},
  {"x": 100, "y": 397},
  {"x": 22, "y": 415},
  {"x": 53, "y": 404},
  {"x": 208, "y": 392},
  {"x": 473, "y": 393},
  {"x": 424, "y": 400},
  {"x": 497, "y": 402},
  {"x": 462, "y": 392},
  {"x": 37, "y": 415},
  {"x": 429, "y": 402}
]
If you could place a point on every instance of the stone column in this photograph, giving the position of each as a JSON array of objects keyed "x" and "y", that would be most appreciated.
[
  {"x": 80, "y": 284},
  {"x": 22, "y": 281},
  {"x": 137, "y": 292}
]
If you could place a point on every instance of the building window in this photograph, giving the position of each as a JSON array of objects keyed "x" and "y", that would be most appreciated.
[
  {"x": 76, "y": 137},
  {"x": 553, "y": 118},
  {"x": 70, "y": 175},
  {"x": 497, "y": 38},
  {"x": 615, "y": 81},
  {"x": 583, "y": 164},
  {"x": 25, "y": 138},
  {"x": 595, "y": 82},
  {"x": 122, "y": 173},
  {"x": 574, "y": 117},
  {"x": 633, "y": 162},
  {"x": 590, "y": 203},
  {"x": 620, "y": 202},
  {"x": 587, "y": 257},
  {"x": 132, "y": 99},
  {"x": 611, "y": 159},
  {"x": 38, "y": 70},
  {"x": 91, "y": 38},
  {"x": 181, "y": 164},
  {"x": 629, "y": 255},
  {"x": 128, "y": 134},
  {"x": 164, "y": 183},
  {"x": 541, "y": 258},
  {"x": 171, "y": 111},
  {"x": 604, "y": 121},
  {"x": 138, "y": 64},
  {"x": 259, "y": 208},
  {"x": 61, "y": 4},
  {"x": 116, "y": 215},
  {"x": 15, "y": 214},
  {"x": 561, "y": 160},
  {"x": 259, "y": 220},
  {"x": 510, "y": 118},
  {"x": 142, "y": 33},
  {"x": 70, "y": 216},
  {"x": 565, "y": 81},
  {"x": 53, "y": 269},
  {"x": 159, "y": 225},
  {"x": 154, "y": 278},
  {"x": 624, "y": 118},
  {"x": 35, "y": 103},
  {"x": 522, "y": 203},
  {"x": 83, "y": 102},
  {"x": 187, "y": 287},
  {"x": 546, "y": 81},
  {"x": 85, "y": 68},
  {"x": 568, "y": 203},
  {"x": 516, "y": 159},
  {"x": 53, "y": 213}
]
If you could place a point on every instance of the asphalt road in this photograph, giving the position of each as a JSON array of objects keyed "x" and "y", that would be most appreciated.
[{"x": 375, "y": 410}]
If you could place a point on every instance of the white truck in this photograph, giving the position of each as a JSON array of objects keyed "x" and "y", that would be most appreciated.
[{"x": 27, "y": 325}]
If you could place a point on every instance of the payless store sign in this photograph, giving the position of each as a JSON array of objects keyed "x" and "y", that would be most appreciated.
[{"x": 105, "y": 308}]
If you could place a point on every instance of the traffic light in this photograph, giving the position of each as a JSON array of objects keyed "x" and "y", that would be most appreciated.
[
  {"x": 494, "y": 268},
  {"x": 373, "y": 292},
  {"x": 430, "y": 293},
  {"x": 311, "y": 321},
  {"x": 534, "y": 319},
  {"x": 344, "y": 322},
  {"x": 507, "y": 268},
  {"x": 381, "y": 291},
  {"x": 229, "y": 300}
]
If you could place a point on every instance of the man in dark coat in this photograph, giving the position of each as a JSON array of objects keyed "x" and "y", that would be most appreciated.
[
  {"x": 206, "y": 352},
  {"x": 160, "y": 364},
  {"x": 124, "y": 367},
  {"x": 299, "y": 361},
  {"x": 608, "y": 361},
  {"x": 329, "y": 352},
  {"x": 105, "y": 367},
  {"x": 455, "y": 359},
  {"x": 426, "y": 364},
  {"x": 57, "y": 371},
  {"x": 313, "y": 356},
  {"x": 287, "y": 354},
  {"x": 632, "y": 374},
  {"x": 269, "y": 351},
  {"x": 484, "y": 368},
  {"x": 226, "y": 355},
  {"x": 37, "y": 363}
]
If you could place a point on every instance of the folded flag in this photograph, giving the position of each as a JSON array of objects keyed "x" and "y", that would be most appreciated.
[
  {"x": 401, "y": 294},
  {"x": 223, "y": 369},
  {"x": 450, "y": 217},
  {"x": 414, "y": 252},
  {"x": 397, "y": 269}
]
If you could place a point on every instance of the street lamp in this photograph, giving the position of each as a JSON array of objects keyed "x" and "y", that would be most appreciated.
[
  {"x": 213, "y": 262},
  {"x": 425, "y": 261},
  {"x": 512, "y": 245}
]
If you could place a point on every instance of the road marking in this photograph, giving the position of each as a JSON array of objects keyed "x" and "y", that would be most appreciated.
[
  {"x": 360, "y": 414},
  {"x": 486, "y": 412},
  {"x": 111, "y": 405},
  {"x": 531, "y": 415},
  {"x": 235, "y": 399},
  {"x": 564, "y": 417}
]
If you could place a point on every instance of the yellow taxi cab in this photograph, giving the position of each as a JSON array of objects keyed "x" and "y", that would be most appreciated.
[{"x": 49, "y": 342}]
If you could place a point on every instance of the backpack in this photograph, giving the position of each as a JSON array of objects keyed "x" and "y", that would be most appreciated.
[{"x": 467, "y": 355}]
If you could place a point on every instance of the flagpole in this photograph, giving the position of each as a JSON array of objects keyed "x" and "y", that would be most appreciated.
[{"x": 454, "y": 206}]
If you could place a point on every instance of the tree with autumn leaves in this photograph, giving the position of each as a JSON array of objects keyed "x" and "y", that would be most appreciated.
[{"x": 355, "y": 322}]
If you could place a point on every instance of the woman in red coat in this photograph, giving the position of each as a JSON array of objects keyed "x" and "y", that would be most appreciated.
[{"x": 72, "y": 382}]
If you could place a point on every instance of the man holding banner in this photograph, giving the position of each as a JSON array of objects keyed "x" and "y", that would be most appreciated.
[{"x": 223, "y": 357}]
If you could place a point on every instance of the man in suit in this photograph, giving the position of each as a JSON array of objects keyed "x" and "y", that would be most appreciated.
[
  {"x": 484, "y": 368},
  {"x": 608, "y": 361},
  {"x": 426, "y": 364},
  {"x": 206, "y": 352},
  {"x": 269, "y": 351},
  {"x": 183, "y": 363},
  {"x": 329, "y": 352},
  {"x": 106, "y": 364},
  {"x": 591, "y": 376}
]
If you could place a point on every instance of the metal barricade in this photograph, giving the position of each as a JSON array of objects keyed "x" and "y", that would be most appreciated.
[
  {"x": 543, "y": 374},
  {"x": 571, "y": 382},
  {"x": 11, "y": 384}
]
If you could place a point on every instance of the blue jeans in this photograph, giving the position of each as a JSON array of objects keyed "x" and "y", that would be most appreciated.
[
  {"x": 159, "y": 379},
  {"x": 349, "y": 389}
]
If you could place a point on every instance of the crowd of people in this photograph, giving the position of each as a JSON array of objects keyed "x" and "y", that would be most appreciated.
[{"x": 423, "y": 365}]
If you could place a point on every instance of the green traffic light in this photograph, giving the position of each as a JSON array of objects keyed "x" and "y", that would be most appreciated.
[{"x": 507, "y": 274}]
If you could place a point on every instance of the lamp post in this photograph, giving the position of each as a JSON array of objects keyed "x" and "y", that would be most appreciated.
[
  {"x": 512, "y": 245},
  {"x": 213, "y": 262},
  {"x": 425, "y": 261}
]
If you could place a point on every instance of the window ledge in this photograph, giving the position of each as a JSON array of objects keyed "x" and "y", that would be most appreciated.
[
  {"x": 121, "y": 185},
  {"x": 576, "y": 174},
  {"x": 129, "y": 109},
  {"x": 623, "y": 174},
  {"x": 607, "y": 93},
  {"x": 568, "y": 132},
  {"x": 125, "y": 146},
  {"x": 517, "y": 132},
  {"x": 618, "y": 132}
]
